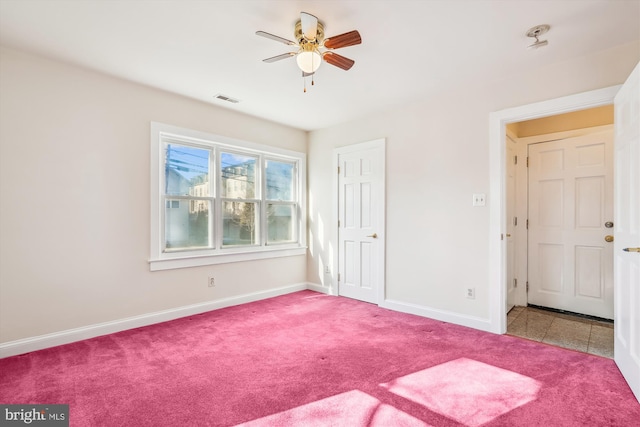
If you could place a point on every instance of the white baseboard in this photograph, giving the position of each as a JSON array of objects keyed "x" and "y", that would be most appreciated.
[
  {"x": 26, "y": 345},
  {"x": 319, "y": 288},
  {"x": 442, "y": 315},
  {"x": 419, "y": 310}
]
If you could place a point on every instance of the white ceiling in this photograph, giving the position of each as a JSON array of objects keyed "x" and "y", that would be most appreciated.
[{"x": 410, "y": 48}]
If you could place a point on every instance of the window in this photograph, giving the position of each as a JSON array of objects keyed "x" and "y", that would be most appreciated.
[
  {"x": 217, "y": 200},
  {"x": 240, "y": 198},
  {"x": 281, "y": 204},
  {"x": 186, "y": 177}
]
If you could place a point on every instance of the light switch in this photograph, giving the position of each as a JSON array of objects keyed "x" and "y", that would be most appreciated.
[{"x": 479, "y": 199}]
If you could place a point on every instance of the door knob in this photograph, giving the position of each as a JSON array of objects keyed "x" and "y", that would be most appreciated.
[
  {"x": 632, "y": 250},
  {"x": 608, "y": 238},
  {"x": 374, "y": 235}
]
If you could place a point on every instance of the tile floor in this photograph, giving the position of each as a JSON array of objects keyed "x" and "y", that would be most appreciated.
[{"x": 562, "y": 330}]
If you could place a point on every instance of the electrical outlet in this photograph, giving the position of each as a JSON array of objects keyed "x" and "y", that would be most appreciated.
[
  {"x": 326, "y": 270},
  {"x": 211, "y": 282},
  {"x": 471, "y": 293},
  {"x": 479, "y": 199}
]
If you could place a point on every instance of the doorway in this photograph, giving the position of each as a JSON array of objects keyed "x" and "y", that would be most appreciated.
[
  {"x": 626, "y": 99},
  {"x": 559, "y": 215},
  {"x": 564, "y": 197},
  {"x": 497, "y": 205}
]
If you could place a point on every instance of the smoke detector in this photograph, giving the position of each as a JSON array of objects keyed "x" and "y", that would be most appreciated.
[{"x": 536, "y": 32}]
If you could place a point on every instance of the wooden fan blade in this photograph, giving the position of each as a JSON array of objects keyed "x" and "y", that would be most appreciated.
[
  {"x": 343, "y": 40},
  {"x": 279, "y": 57},
  {"x": 276, "y": 38},
  {"x": 338, "y": 60},
  {"x": 309, "y": 26}
]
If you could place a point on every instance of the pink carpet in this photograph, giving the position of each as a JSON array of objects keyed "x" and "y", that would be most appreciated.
[{"x": 307, "y": 359}]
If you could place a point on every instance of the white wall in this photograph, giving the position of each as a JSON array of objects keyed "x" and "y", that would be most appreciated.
[
  {"x": 437, "y": 157},
  {"x": 74, "y": 192}
]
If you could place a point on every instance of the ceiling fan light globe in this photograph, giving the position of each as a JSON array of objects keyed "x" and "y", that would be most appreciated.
[{"x": 309, "y": 61}]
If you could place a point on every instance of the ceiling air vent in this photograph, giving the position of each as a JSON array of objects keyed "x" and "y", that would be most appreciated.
[{"x": 226, "y": 98}]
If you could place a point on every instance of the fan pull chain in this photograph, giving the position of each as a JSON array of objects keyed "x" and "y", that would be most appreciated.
[{"x": 304, "y": 79}]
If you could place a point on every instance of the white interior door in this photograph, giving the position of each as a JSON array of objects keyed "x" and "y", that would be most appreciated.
[
  {"x": 570, "y": 203},
  {"x": 627, "y": 243},
  {"x": 361, "y": 221},
  {"x": 511, "y": 218}
]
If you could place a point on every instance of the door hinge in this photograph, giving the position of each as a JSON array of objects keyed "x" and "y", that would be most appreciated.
[
  {"x": 515, "y": 283},
  {"x": 527, "y": 286},
  {"x": 515, "y": 221},
  {"x": 338, "y": 223},
  {"x": 515, "y": 160},
  {"x": 527, "y": 161},
  {"x": 338, "y": 170},
  {"x": 338, "y": 277},
  {"x": 527, "y": 224}
]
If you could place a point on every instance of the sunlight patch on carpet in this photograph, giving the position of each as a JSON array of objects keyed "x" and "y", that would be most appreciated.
[
  {"x": 467, "y": 391},
  {"x": 353, "y": 408}
]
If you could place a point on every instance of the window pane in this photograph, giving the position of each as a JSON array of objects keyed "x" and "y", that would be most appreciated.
[
  {"x": 239, "y": 223},
  {"x": 186, "y": 170},
  {"x": 280, "y": 221},
  {"x": 238, "y": 176},
  {"x": 279, "y": 180},
  {"x": 186, "y": 224}
]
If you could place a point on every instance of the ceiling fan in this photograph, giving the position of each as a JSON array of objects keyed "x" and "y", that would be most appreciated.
[{"x": 313, "y": 48}]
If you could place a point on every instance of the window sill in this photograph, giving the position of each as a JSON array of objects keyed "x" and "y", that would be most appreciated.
[{"x": 200, "y": 260}]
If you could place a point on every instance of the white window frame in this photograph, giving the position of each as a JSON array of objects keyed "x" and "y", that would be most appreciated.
[{"x": 164, "y": 260}]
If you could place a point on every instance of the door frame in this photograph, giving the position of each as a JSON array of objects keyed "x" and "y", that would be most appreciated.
[
  {"x": 497, "y": 184},
  {"x": 334, "y": 252}
]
